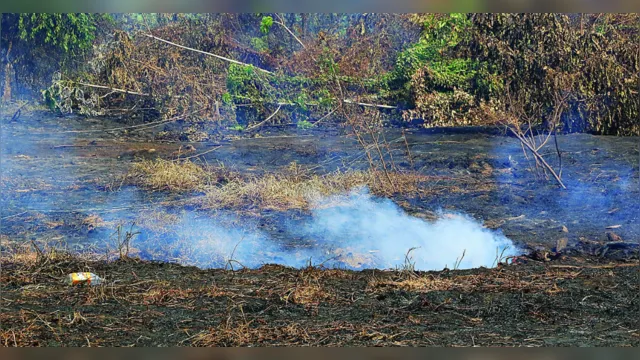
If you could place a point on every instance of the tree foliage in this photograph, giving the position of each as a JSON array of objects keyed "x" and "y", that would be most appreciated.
[{"x": 36, "y": 45}]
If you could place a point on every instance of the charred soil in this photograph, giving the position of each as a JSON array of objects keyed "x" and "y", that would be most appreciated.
[{"x": 584, "y": 302}]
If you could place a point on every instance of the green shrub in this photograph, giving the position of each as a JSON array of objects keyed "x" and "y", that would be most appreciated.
[{"x": 304, "y": 125}]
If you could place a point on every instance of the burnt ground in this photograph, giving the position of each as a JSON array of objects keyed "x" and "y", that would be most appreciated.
[
  {"x": 58, "y": 173},
  {"x": 585, "y": 303}
]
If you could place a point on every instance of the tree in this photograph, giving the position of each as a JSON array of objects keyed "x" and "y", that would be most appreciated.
[{"x": 34, "y": 46}]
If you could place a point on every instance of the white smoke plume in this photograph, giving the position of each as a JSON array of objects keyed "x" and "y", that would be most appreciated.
[
  {"x": 375, "y": 225},
  {"x": 355, "y": 231}
]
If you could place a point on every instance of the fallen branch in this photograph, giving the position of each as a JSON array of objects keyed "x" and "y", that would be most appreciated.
[
  {"x": 263, "y": 122},
  {"x": 206, "y": 53},
  {"x": 346, "y": 101},
  {"x": 196, "y": 155},
  {"x": 324, "y": 117},
  {"x": 112, "y": 89},
  {"x": 369, "y": 105}
]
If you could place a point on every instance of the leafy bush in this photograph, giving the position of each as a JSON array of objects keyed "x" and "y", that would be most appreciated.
[
  {"x": 36, "y": 45},
  {"x": 304, "y": 124}
]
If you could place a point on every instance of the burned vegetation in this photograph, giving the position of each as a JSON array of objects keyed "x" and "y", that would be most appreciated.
[{"x": 320, "y": 180}]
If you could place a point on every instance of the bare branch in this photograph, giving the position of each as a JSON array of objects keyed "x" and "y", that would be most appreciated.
[
  {"x": 369, "y": 105},
  {"x": 281, "y": 23},
  {"x": 538, "y": 156},
  {"x": 206, "y": 53},
  {"x": 324, "y": 117},
  {"x": 113, "y": 89},
  {"x": 267, "y": 119}
]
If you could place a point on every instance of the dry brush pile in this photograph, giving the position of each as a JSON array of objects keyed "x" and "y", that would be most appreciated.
[
  {"x": 140, "y": 76},
  {"x": 202, "y": 69}
]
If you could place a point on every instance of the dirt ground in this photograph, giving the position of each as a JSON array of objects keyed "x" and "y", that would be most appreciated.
[{"x": 58, "y": 179}]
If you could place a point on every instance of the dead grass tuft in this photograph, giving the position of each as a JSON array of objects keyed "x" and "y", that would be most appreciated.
[
  {"x": 169, "y": 175},
  {"x": 240, "y": 333},
  {"x": 307, "y": 293},
  {"x": 292, "y": 188}
]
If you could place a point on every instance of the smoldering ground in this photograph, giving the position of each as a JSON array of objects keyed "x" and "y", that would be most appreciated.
[{"x": 354, "y": 231}]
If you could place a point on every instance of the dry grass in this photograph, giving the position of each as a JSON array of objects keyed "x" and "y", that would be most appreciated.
[
  {"x": 169, "y": 175},
  {"x": 35, "y": 254},
  {"x": 546, "y": 282},
  {"x": 282, "y": 191},
  {"x": 291, "y": 188},
  {"x": 307, "y": 288}
]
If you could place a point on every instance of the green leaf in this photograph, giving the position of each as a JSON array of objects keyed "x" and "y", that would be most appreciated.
[{"x": 265, "y": 25}]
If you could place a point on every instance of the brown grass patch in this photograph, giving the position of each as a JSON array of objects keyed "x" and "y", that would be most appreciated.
[
  {"x": 307, "y": 293},
  {"x": 241, "y": 333},
  {"x": 291, "y": 188},
  {"x": 284, "y": 191},
  {"x": 162, "y": 174},
  {"x": 148, "y": 304}
]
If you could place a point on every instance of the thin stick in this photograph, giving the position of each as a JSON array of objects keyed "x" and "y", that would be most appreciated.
[
  {"x": 346, "y": 101},
  {"x": 233, "y": 252},
  {"x": 263, "y": 122},
  {"x": 555, "y": 139},
  {"x": 389, "y": 151},
  {"x": 113, "y": 89},
  {"x": 202, "y": 153},
  {"x": 404, "y": 136},
  {"x": 376, "y": 144},
  {"x": 281, "y": 23},
  {"x": 326, "y": 116},
  {"x": 369, "y": 105},
  {"x": 206, "y": 53}
]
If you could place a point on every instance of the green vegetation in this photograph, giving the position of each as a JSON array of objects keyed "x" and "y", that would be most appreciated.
[
  {"x": 236, "y": 127},
  {"x": 36, "y": 45},
  {"x": 304, "y": 125}
]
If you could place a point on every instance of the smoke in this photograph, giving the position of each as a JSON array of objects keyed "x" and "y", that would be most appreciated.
[
  {"x": 353, "y": 231},
  {"x": 601, "y": 176},
  {"x": 367, "y": 224}
]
